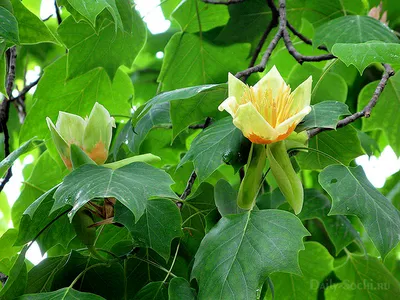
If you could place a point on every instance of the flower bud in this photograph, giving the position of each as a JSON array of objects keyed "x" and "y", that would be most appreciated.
[{"x": 92, "y": 134}]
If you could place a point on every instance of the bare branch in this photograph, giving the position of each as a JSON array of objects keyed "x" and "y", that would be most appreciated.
[
  {"x": 288, "y": 42},
  {"x": 57, "y": 9},
  {"x": 302, "y": 37},
  {"x": 229, "y": 2},
  {"x": 366, "y": 111},
  {"x": 11, "y": 55}
]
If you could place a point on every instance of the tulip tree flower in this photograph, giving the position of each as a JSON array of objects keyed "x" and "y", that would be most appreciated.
[
  {"x": 92, "y": 134},
  {"x": 267, "y": 114}
]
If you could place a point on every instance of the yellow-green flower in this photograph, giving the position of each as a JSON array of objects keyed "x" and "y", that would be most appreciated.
[
  {"x": 267, "y": 112},
  {"x": 92, "y": 134}
]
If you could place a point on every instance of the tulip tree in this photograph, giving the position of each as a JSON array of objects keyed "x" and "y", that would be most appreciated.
[{"x": 215, "y": 160}]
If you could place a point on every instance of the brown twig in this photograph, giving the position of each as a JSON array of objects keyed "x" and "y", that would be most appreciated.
[
  {"x": 57, "y": 9},
  {"x": 229, "y": 2},
  {"x": 11, "y": 55},
  {"x": 366, "y": 111},
  {"x": 288, "y": 42},
  {"x": 302, "y": 37}
]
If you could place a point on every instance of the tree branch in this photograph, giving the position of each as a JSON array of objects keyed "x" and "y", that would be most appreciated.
[
  {"x": 229, "y": 2},
  {"x": 366, "y": 111},
  {"x": 11, "y": 55},
  {"x": 288, "y": 42},
  {"x": 302, "y": 37},
  {"x": 57, "y": 9}
]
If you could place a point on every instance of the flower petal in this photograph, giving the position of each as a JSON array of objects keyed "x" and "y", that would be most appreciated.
[
  {"x": 71, "y": 127},
  {"x": 236, "y": 87},
  {"x": 291, "y": 123},
  {"x": 253, "y": 125},
  {"x": 301, "y": 96},
  {"x": 271, "y": 81},
  {"x": 98, "y": 129},
  {"x": 61, "y": 145},
  {"x": 230, "y": 105}
]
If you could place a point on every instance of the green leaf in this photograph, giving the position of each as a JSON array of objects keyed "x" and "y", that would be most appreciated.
[
  {"x": 111, "y": 235},
  {"x": 210, "y": 16},
  {"x": 226, "y": 198},
  {"x": 37, "y": 217},
  {"x": 90, "y": 10},
  {"x": 324, "y": 114},
  {"x": 190, "y": 61},
  {"x": 384, "y": 116},
  {"x": 179, "y": 289},
  {"x": 132, "y": 185},
  {"x": 369, "y": 277},
  {"x": 8, "y": 26},
  {"x": 62, "y": 294},
  {"x": 315, "y": 263},
  {"x": 323, "y": 80},
  {"x": 338, "y": 227},
  {"x": 153, "y": 291},
  {"x": 362, "y": 55},
  {"x": 6, "y": 163},
  {"x": 7, "y": 240},
  {"x": 351, "y": 30},
  {"x": 32, "y": 30},
  {"x": 342, "y": 145},
  {"x": 41, "y": 276},
  {"x": 16, "y": 282},
  {"x": 353, "y": 194},
  {"x": 213, "y": 146},
  {"x": 104, "y": 48},
  {"x": 157, "y": 227},
  {"x": 75, "y": 96},
  {"x": 242, "y": 250}
]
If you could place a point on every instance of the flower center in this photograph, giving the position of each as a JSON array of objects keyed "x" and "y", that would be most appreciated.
[{"x": 274, "y": 110}]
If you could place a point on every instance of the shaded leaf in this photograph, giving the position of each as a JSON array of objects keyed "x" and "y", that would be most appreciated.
[
  {"x": 8, "y": 26},
  {"x": 179, "y": 289},
  {"x": 213, "y": 146},
  {"x": 385, "y": 114},
  {"x": 342, "y": 145},
  {"x": 226, "y": 198},
  {"x": 16, "y": 282},
  {"x": 153, "y": 291},
  {"x": 62, "y": 294},
  {"x": 315, "y": 263},
  {"x": 156, "y": 228},
  {"x": 340, "y": 231},
  {"x": 353, "y": 194},
  {"x": 240, "y": 260},
  {"x": 132, "y": 185},
  {"x": 370, "y": 277}
]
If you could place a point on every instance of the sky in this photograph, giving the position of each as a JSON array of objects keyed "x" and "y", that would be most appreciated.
[{"x": 376, "y": 169}]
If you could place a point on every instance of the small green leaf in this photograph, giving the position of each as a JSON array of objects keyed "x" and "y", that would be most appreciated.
[
  {"x": 368, "y": 275},
  {"x": 79, "y": 157},
  {"x": 132, "y": 185},
  {"x": 155, "y": 290},
  {"x": 211, "y": 147},
  {"x": 179, "y": 289},
  {"x": 352, "y": 29},
  {"x": 62, "y": 294},
  {"x": 157, "y": 227},
  {"x": 362, "y": 55},
  {"x": 353, "y": 194},
  {"x": 324, "y": 114},
  {"x": 243, "y": 249},
  {"x": 8, "y": 26},
  {"x": 225, "y": 198}
]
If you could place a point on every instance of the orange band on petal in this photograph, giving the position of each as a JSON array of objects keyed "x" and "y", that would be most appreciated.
[{"x": 259, "y": 140}]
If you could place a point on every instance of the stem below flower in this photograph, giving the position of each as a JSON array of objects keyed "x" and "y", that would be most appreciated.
[
  {"x": 254, "y": 172},
  {"x": 286, "y": 178}
]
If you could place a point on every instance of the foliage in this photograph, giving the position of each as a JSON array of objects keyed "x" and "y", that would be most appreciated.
[{"x": 163, "y": 216}]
